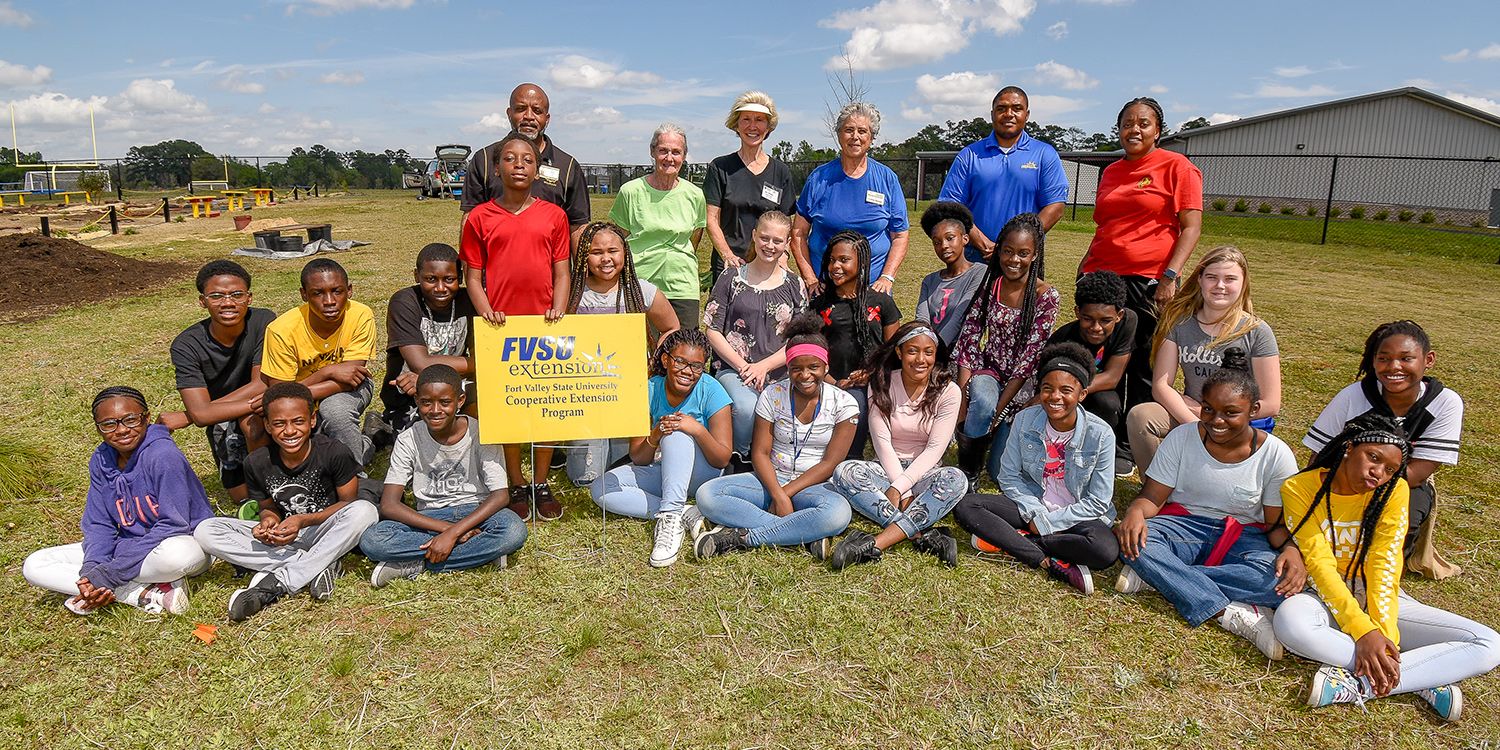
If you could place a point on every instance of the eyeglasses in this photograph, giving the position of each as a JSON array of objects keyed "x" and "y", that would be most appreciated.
[
  {"x": 129, "y": 422},
  {"x": 679, "y": 363},
  {"x": 237, "y": 296}
]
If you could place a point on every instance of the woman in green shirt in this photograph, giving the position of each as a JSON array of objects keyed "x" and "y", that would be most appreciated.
[{"x": 665, "y": 216}]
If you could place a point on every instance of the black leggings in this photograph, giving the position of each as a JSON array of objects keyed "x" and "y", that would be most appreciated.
[
  {"x": 1420, "y": 503},
  {"x": 996, "y": 518}
]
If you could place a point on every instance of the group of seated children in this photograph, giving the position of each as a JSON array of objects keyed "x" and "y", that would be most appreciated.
[{"x": 771, "y": 444}]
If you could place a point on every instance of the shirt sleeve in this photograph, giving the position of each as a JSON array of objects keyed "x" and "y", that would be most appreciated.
[
  {"x": 1014, "y": 483},
  {"x": 188, "y": 370},
  {"x": 716, "y": 309},
  {"x": 619, "y": 213},
  {"x": 1263, "y": 341},
  {"x": 940, "y": 433},
  {"x": 715, "y": 398},
  {"x": 805, "y": 199},
  {"x": 1187, "y": 187},
  {"x": 471, "y": 247},
  {"x": 279, "y": 360},
  {"x": 1440, "y": 441},
  {"x": 491, "y": 466},
  {"x": 713, "y": 184},
  {"x": 1054, "y": 187},
  {"x": 1330, "y": 421},
  {"x": 1384, "y": 562},
  {"x": 362, "y": 338},
  {"x": 403, "y": 457},
  {"x": 258, "y": 325},
  {"x": 1124, "y": 336},
  {"x": 562, "y": 239},
  {"x": 788, "y": 204},
  {"x": 966, "y": 350},
  {"x": 956, "y": 184},
  {"x": 889, "y": 313},
  {"x": 895, "y": 203},
  {"x": 1167, "y": 462},
  {"x": 765, "y": 404},
  {"x": 578, "y": 209},
  {"x": 403, "y": 321},
  {"x": 255, "y": 480},
  {"x": 700, "y": 207},
  {"x": 1280, "y": 465},
  {"x": 340, "y": 464}
]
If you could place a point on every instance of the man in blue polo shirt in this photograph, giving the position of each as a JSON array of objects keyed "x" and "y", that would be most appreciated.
[{"x": 1006, "y": 174}]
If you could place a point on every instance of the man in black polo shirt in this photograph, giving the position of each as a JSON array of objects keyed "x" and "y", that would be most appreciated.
[{"x": 559, "y": 178}]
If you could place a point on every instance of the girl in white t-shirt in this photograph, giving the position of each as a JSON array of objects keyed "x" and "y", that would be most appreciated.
[{"x": 803, "y": 428}]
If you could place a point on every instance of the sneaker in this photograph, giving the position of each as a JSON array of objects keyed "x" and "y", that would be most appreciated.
[
  {"x": 668, "y": 539},
  {"x": 171, "y": 598},
  {"x": 380, "y": 433},
  {"x": 246, "y": 602},
  {"x": 1077, "y": 576},
  {"x": 385, "y": 572},
  {"x": 1124, "y": 466},
  {"x": 520, "y": 501},
  {"x": 1447, "y": 701},
  {"x": 1130, "y": 582},
  {"x": 937, "y": 542},
  {"x": 981, "y": 545},
  {"x": 75, "y": 605},
  {"x": 547, "y": 507},
  {"x": 559, "y": 459},
  {"x": 858, "y": 547},
  {"x": 738, "y": 465},
  {"x": 1332, "y": 685},
  {"x": 820, "y": 549},
  {"x": 1254, "y": 624},
  {"x": 694, "y": 522},
  {"x": 719, "y": 542},
  {"x": 320, "y": 588}
]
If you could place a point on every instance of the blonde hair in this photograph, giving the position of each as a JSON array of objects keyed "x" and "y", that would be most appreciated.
[
  {"x": 1189, "y": 300},
  {"x": 751, "y": 97},
  {"x": 770, "y": 217}
]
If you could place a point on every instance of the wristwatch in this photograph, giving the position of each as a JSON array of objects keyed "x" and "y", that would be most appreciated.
[
  {"x": 888, "y": 277},
  {"x": 1169, "y": 275}
]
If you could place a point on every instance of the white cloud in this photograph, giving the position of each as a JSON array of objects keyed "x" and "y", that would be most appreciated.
[
  {"x": 1491, "y": 52},
  {"x": 235, "y": 81},
  {"x": 1055, "y": 73},
  {"x": 1458, "y": 56},
  {"x": 494, "y": 122},
  {"x": 159, "y": 95},
  {"x": 330, "y": 7},
  {"x": 966, "y": 94},
  {"x": 1295, "y": 71},
  {"x": 12, "y": 74},
  {"x": 1106, "y": 2},
  {"x": 1219, "y": 118},
  {"x": 1048, "y": 108},
  {"x": 596, "y": 116},
  {"x": 1477, "y": 102},
  {"x": 897, "y": 33},
  {"x": 9, "y": 16},
  {"x": 203, "y": 66},
  {"x": 577, "y": 71},
  {"x": 266, "y": 108},
  {"x": 52, "y": 108},
  {"x": 1283, "y": 91},
  {"x": 342, "y": 78},
  {"x": 1058, "y": 30},
  {"x": 1158, "y": 89}
]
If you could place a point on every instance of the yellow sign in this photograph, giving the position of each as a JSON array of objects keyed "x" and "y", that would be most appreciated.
[{"x": 583, "y": 377}]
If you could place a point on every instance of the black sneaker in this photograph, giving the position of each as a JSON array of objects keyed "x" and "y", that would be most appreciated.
[
  {"x": 520, "y": 501},
  {"x": 380, "y": 433},
  {"x": 1077, "y": 576},
  {"x": 858, "y": 547},
  {"x": 548, "y": 508},
  {"x": 246, "y": 602},
  {"x": 559, "y": 459},
  {"x": 820, "y": 549},
  {"x": 738, "y": 465},
  {"x": 1124, "y": 466},
  {"x": 719, "y": 542},
  {"x": 937, "y": 542},
  {"x": 320, "y": 588}
]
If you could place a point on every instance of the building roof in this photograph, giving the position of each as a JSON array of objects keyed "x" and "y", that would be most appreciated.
[{"x": 1412, "y": 91}]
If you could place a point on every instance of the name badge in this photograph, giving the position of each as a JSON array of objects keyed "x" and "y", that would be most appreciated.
[
  {"x": 875, "y": 199},
  {"x": 548, "y": 173},
  {"x": 771, "y": 193}
]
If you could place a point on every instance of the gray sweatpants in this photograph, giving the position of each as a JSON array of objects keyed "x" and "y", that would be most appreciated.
[
  {"x": 297, "y": 563},
  {"x": 339, "y": 417}
]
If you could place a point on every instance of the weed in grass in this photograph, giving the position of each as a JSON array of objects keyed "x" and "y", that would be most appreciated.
[
  {"x": 180, "y": 220},
  {"x": 342, "y": 663},
  {"x": 1335, "y": 212},
  {"x": 129, "y": 231},
  {"x": 1311, "y": 210},
  {"x": 88, "y": 228},
  {"x": 1124, "y": 678},
  {"x": 23, "y": 469},
  {"x": 585, "y": 636}
]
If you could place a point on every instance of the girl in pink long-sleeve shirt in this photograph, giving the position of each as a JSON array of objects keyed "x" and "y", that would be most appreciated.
[{"x": 914, "y": 407}]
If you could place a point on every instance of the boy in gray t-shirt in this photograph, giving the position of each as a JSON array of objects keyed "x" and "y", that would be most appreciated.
[{"x": 460, "y": 520}]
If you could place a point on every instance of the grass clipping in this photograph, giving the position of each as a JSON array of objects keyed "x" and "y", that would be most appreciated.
[{"x": 23, "y": 471}]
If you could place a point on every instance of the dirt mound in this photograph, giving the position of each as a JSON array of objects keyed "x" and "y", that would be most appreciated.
[{"x": 40, "y": 275}]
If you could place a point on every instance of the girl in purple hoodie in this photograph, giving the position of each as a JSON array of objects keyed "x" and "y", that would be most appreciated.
[{"x": 144, "y": 501}]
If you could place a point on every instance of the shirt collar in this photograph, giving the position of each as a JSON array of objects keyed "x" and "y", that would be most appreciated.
[{"x": 1022, "y": 144}]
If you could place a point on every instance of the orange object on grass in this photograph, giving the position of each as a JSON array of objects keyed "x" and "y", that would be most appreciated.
[{"x": 206, "y": 633}]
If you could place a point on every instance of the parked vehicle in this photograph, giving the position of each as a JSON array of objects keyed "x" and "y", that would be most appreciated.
[{"x": 444, "y": 175}]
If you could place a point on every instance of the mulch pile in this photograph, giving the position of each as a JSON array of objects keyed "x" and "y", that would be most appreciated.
[{"x": 41, "y": 275}]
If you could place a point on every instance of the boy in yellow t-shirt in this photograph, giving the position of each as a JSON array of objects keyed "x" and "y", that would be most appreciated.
[
  {"x": 325, "y": 344},
  {"x": 1347, "y": 512}
]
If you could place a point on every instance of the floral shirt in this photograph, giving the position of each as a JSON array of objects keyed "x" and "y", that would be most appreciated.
[
  {"x": 751, "y": 319},
  {"x": 997, "y": 356}
]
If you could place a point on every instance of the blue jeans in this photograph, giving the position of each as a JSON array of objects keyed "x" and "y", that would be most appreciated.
[
  {"x": 740, "y": 501},
  {"x": 662, "y": 487},
  {"x": 743, "y": 409},
  {"x": 393, "y": 541},
  {"x": 984, "y": 399},
  {"x": 864, "y": 483},
  {"x": 1171, "y": 561}
]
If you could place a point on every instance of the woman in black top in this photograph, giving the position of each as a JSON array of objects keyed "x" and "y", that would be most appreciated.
[{"x": 741, "y": 186}]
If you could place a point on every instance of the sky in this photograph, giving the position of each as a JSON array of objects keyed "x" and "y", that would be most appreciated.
[{"x": 259, "y": 77}]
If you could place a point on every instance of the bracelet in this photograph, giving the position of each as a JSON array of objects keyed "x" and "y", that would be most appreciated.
[{"x": 888, "y": 277}]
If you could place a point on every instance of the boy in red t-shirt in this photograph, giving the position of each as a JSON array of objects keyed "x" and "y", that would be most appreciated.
[{"x": 515, "y": 249}]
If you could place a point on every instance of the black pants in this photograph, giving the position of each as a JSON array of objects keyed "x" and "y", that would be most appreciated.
[
  {"x": 1110, "y": 407},
  {"x": 1140, "y": 296},
  {"x": 862, "y": 429},
  {"x": 687, "y": 312},
  {"x": 996, "y": 518},
  {"x": 1420, "y": 503}
]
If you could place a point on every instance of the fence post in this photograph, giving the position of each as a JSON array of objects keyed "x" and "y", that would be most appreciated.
[
  {"x": 166, "y": 210},
  {"x": 46, "y": 227},
  {"x": 1077, "y": 187},
  {"x": 119, "y": 180},
  {"x": 259, "y": 177},
  {"x": 315, "y": 190},
  {"x": 114, "y": 221},
  {"x": 1328, "y": 205}
]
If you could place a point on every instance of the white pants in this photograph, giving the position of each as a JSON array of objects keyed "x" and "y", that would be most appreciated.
[
  {"x": 1437, "y": 647},
  {"x": 57, "y": 568}
]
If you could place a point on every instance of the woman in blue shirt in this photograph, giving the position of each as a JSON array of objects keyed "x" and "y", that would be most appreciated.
[{"x": 853, "y": 192}]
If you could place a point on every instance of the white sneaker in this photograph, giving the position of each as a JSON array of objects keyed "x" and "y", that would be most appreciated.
[
  {"x": 1130, "y": 582},
  {"x": 1254, "y": 624},
  {"x": 75, "y": 605},
  {"x": 385, "y": 572},
  {"x": 668, "y": 539},
  {"x": 694, "y": 522},
  {"x": 171, "y": 598}
]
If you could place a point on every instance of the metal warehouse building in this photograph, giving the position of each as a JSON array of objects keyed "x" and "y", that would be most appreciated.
[{"x": 1404, "y": 148}]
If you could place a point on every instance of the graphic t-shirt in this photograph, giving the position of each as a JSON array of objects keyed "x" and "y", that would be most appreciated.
[
  {"x": 1136, "y": 213},
  {"x": 797, "y": 447},
  {"x": 200, "y": 361},
  {"x": 871, "y": 204},
  {"x": 446, "y": 475},
  {"x": 1209, "y": 488},
  {"x": 841, "y": 318},
  {"x": 410, "y": 322},
  {"x": 1055, "y": 494},
  {"x": 293, "y": 351},
  {"x": 1198, "y": 362},
  {"x": 705, "y": 400},
  {"x": 751, "y": 319},
  {"x": 742, "y": 196},
  {"x": 1119, "y": 342},
  {"x": 1438, "y": 442},
  {"x": 661, "y": 225},
  {"x": 943, "y": 302},
  {"x": 516, "y": 252},
  {"x": 308, "y": 488}
]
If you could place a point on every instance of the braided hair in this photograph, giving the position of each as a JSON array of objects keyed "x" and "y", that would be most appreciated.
[
  {"x": 690, "y": 337},
  {"x": 628, "y": 297},
  {"x": 1031, "y": 224},
  {"x": 1378, "y": 337},
  {"x": 1152, "y": 104},
  {"x": 885, "y": 364},
  {"x": 118, "y": 391},
  {"x": 1369, "y": 427},
  {"x": 826, "y": 299}
]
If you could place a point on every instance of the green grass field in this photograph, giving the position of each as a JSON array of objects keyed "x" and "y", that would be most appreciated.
[{"x": 585, "y": 644}]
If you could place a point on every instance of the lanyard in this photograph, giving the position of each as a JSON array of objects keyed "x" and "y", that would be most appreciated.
[{"x": 799, "y": 441}]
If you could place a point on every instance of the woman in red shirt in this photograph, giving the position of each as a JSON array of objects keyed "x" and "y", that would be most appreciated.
[{"x": 1149, "y": 214}]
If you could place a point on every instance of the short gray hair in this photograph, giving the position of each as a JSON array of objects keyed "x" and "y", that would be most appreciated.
[
  {"x": 862, "y": 109},
  {"x": 664, "y": 129}
]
